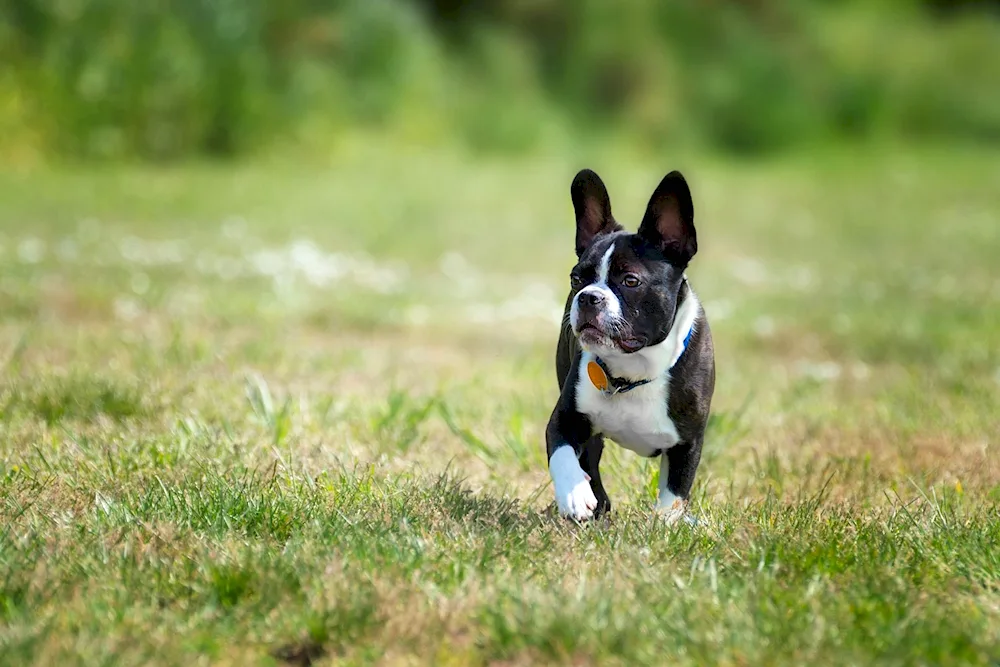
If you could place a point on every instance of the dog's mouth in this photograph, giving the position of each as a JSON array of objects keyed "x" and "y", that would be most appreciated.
[
  {"x": 631, "y": 344},
  {"x": 591, "y": 334}
]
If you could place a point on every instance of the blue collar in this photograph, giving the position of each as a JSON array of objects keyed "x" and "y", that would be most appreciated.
[{"x": 687, "y": 340}]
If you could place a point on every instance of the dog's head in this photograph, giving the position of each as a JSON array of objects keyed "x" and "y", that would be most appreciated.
[{"x": 625, "y": 286}]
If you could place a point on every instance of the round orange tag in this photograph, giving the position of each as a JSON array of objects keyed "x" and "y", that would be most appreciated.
[{"x": 597, "y": 376}]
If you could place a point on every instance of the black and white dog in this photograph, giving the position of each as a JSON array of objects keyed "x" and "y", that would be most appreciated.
[{"x": 635, "y": 360}]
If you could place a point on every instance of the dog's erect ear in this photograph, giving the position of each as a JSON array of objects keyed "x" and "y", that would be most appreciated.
[
  {"x": 593, "y": 209},
  {"x": 669, "y": 220}
]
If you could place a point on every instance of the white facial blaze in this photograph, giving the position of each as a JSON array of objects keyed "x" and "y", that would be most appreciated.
[
  {"x": 612, "y": 305},
  {"x": 602, "y": 272}
]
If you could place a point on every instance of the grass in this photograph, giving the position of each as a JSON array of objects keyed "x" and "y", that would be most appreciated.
[{"x": 281, "y": 415}]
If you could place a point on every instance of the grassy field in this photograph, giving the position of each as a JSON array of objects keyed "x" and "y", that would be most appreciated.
[{"x": 294, "y": 415}]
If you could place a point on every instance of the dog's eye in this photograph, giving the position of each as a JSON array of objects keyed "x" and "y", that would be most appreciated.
[
  {"x": 575, "y": 281},
  {"x": 631, "y": 280}
]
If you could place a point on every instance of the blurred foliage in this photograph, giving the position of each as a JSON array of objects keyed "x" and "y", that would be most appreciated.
[{"x": 163, "y": 79}]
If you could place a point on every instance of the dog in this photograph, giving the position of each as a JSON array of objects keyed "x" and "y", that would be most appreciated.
[{"x": 635, "y": 360}]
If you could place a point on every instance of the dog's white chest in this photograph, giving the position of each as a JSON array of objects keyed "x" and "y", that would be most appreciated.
[{"x": 636, "y": 420}]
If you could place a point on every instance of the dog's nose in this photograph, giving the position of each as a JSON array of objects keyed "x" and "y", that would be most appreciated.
[{"x": 591, "y": 298}]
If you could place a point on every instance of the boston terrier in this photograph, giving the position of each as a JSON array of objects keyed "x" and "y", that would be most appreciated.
[{"x": 635, "y": 360}]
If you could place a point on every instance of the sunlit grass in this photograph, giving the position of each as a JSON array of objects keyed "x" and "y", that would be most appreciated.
[{"x": 269, "y": 415}]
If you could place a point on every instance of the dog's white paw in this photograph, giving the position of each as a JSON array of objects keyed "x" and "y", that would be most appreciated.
[
  {"x": 574, "y": 497},
  {"x": 578, "y": 503}
]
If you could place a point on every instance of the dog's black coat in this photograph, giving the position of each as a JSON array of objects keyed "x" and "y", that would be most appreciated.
[{"x": 659, "y": 253}]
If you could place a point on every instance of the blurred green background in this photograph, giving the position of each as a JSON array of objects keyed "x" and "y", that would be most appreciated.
[{"x": 180, "y": 79}]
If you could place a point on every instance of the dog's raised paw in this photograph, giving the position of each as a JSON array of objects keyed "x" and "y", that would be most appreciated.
[{"x": 574, "y": 497}]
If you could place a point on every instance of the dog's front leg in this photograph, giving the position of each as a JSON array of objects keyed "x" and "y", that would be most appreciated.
[
  {"x": 590, "y": 461},
  {"x": 565, "y": 438},
  {"x": 678, "y": 466}
]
